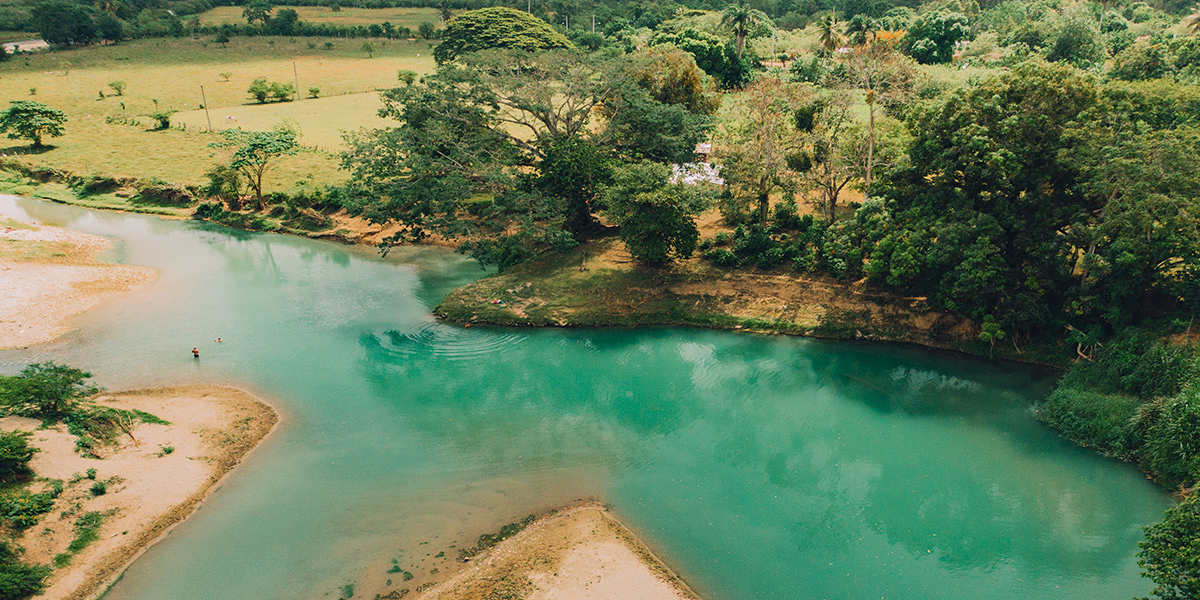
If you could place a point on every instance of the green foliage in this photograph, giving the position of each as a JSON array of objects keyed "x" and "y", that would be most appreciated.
[
  {"x": 65, "y": 23},
  {"x": 162, "y": 118},
  {"x": 99, "y": 488},
  {"x": 118, "y": 87},
  {"x": 261, "y": 90},
  {"x": 46, "y": 391},
  {"x": 1136, "y": 364},
  {"x": 1142, "y": 60},
  {"x": 1076, "y": 40},
  {"x": 1170, "y": 554},
  {"x": 22, "y": 509},
  {"x": 255, "y": 152},
  {"x": 314, "y": 92},
  {"x": 19, "y": 581},
  {"x": 26, "y": 119},
  {"x": 657, "y": 218},
  {"x": 496, "y": 27},
  {"x": 1094, "y": 419},
  {"x": 15, "y": 454},
  {"x": 932, "y": 36}
]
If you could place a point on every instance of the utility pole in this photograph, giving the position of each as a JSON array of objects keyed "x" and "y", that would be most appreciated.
[
  {"x": 296, "y": 75},
  {"x": 593, "y": 23},
  {"x": 529, "y": 6},
  {"x": 203, "y": 99}
]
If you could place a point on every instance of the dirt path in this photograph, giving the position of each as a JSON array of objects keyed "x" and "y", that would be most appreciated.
[
  {"x": 48, "y": 274},
  {"x": 149, "y": 488}
]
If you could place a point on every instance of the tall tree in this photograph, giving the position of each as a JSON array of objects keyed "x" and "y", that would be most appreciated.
[
  {"x": 742, "y": 20},
  {"x": 753, "y": 149},
  {"x": 883, "y": 75},
  {"x": 830, "y": 37},
  {"x": 256, "y": 152}
]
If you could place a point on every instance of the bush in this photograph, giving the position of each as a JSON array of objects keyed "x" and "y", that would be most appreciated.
[
  {"x": 162, "y": 193},
  {"x": 722, "y": 257},
  {"x": 1094, "y": 419},
  {"x": 45, "y": 390},
  {"x": 1135, "y": 363},
  {"x": 1170, "y": 554},
  {"x": 19, "y": 581},
  {"x": 99, "y": 488},
  {"x": 162, "y": 118},
  {"x": 15, "y": 454},
  {"x": 1172, "y": 446}
]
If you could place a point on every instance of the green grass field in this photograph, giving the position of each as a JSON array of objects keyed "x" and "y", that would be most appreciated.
[
  {"x": 400, "y": 17},
  {"x": 320, "y": 121},
  {"x": 172, "y": 71}
]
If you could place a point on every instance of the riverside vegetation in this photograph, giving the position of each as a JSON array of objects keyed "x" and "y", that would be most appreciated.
[{"x": 1039, "y": 188}]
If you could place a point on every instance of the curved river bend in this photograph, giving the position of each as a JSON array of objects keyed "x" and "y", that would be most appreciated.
[{"x": 761, "y": 467}]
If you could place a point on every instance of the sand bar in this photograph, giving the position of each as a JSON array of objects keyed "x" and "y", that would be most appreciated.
[
  {"x": 580, "y": 553},
  {"x": 211, "y": 429},
  {"x": 48, "y": 274}
]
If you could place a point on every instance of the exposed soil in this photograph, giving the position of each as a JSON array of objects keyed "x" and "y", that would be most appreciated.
[{"x": 149, "y": 488}]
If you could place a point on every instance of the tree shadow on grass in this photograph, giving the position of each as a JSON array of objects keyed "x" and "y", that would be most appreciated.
[{"x": 26, "y": 149}]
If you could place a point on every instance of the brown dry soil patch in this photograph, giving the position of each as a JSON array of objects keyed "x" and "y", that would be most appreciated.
[
  {"x": 211, "y": 428},
  {"x": 615, "y": 291},
  {"x": 580, "y": 553}
]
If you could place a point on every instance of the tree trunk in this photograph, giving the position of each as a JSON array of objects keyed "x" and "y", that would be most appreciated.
[
  {"x": 870, "y": 143},
  {"x": 764, "y": 207}
]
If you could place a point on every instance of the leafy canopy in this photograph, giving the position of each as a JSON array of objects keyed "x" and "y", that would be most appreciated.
[
  {"x": 496, "y": 27},
  {"x": 26, "y": 119}
]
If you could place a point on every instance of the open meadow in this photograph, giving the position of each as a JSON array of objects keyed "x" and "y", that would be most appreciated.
[
  {"x": 168, "y": 74},
  {"x": 400, "y": 17}
]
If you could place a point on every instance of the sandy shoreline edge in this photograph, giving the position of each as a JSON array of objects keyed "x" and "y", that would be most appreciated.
[
  {"x": 212, "y": 429},
  {"x": 581, "y": 552},
  {"x": 49, "y": 274}
]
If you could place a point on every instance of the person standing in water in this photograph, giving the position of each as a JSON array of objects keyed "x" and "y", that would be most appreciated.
[{"x": 195, "y": 352}]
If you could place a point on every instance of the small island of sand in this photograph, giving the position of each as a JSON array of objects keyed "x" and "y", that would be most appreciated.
[
  {"x": 580, "y": 553},
  {"x": 48, "y": 274},
  {"x": 154, "y": 478}
]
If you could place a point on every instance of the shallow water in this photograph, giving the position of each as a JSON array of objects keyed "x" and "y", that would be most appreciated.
[{"x": 760, "y": 467}]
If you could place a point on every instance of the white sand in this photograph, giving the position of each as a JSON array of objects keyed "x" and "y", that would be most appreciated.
[
  {"x": 581, "y": 553},
  {"x": 48, "y": 274}
]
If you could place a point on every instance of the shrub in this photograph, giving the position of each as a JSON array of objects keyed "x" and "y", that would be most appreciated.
[
  {"x": 722, "y": 257},
  {"x": 314, "y": 92},
  {"x": 162, "y": 118},
  {"x": 118, "y": 87},
  {"x": 1094, "y": 419},
  {"x": 1170, "y": 554},
  {"x": 99, "y": 488},
  {"x": 15, "y": 454},
  {"x": 1172, "y": 448},
  {"x": 45, "y": 390}
]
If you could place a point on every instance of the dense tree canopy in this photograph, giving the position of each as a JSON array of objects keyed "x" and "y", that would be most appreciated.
[
  {"x": 496, "y": 27},
  {"x": 509, "y": 150},
  {"x": 26, "y": 119}
]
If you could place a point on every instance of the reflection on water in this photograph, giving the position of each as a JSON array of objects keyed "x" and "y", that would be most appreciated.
[{"x": 762, "y": 467}]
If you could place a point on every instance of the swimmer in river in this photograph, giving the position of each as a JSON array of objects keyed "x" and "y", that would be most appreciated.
[
  {"x": 196, "y": 352},
  {"x": 218, "y": 340}
]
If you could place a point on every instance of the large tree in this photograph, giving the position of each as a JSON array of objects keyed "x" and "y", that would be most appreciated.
[
  {"x": 61, "y": 22},
  {"x": 26, "y": 119},
  {"x": 507, "y": 150},
  {"x": 753, "y": 149},
  {"x": 496, "y": 27}
]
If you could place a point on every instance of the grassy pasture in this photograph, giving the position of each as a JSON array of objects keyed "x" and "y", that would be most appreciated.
[
  {"x": 320, "y": 120},
  {"x": 406, "y": 17},
  {"x": 171, "y": 71}
]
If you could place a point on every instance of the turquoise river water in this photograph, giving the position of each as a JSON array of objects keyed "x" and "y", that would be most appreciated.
[{"x": 759, "y": 467}]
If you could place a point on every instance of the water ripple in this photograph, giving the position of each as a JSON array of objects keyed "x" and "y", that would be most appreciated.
[{"x": 432, "y": 338}]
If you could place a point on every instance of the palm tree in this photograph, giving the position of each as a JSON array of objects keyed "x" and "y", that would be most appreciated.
[
  {"x": 1192, "y": 21},
  {"x": 444, "y": 12},
  {"x": 860, "y": 30},
  {"x": 830, "y": 38},
  {"x": 742, "y": 19}
]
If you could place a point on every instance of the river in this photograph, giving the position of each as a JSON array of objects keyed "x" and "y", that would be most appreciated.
[{"x": 760, "y": 467}]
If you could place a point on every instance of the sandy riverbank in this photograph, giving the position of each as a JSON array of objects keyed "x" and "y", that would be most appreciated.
[
  {"x": 149, "y": 489},
  {"x": 48, "y": 274},
  {"x": 580, "y": 553}
]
